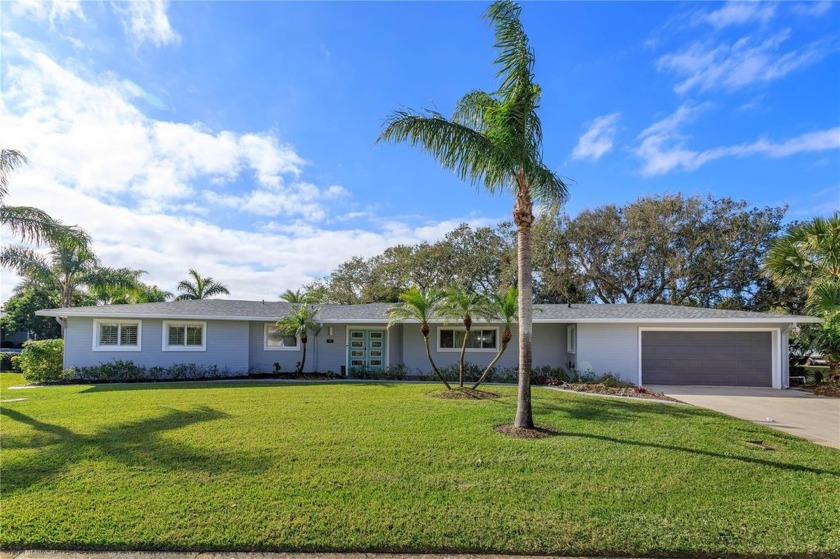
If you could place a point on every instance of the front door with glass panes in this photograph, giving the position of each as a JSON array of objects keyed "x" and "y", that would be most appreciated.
[{"x": 367, "y": 350}]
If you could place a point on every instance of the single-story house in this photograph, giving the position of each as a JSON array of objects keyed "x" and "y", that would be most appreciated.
[{"x": 642, "y": 343}]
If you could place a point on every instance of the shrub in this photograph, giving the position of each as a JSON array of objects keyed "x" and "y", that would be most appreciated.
[
  {"x": 41, "y": 361},
  {"x": 127, "y": 371},
  {"x": 394, "y": 372},
  {"x": 611, "y": 381},
  {"x": 7, "y": 361}
]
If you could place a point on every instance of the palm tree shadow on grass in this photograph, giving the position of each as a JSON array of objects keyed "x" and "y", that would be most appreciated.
[
  {"x": 137, "y": 444},
  {"x": 638, "y": 411}
]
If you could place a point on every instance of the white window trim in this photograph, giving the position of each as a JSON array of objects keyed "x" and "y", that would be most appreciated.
[
  {"x": 266, "y": 347},
  {"x": 98, "y": 347},
  {"x": 571, "y": 339},
  {"x": 775, "y": 347},
  {"x": 469, "y": 349},
  {"x": 165, "y": 335}
]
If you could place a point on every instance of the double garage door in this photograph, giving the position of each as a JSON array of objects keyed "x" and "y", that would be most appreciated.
[{"x": 707, "y": 358}]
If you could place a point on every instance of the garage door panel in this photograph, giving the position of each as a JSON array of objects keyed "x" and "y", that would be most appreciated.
[{"x": 711, "y": 358}]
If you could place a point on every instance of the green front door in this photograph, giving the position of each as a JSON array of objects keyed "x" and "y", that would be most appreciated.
[{"x": 367, "y": 350}]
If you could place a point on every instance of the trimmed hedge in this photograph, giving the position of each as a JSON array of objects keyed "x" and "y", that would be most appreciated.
[
  {"x": 127, "y": 371},
  {"x": 40, "y": 361}
]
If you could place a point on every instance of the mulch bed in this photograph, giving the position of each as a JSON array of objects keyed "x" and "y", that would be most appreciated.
[
  {"x": 828, "y": 390},
  {"x": 630, "y": 392},
  {"x": 537, "y": 432},
  {"x": 464, "y": 394}
]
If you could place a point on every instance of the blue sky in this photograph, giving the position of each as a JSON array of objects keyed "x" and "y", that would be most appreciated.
[{"x": 239, "y": 138}]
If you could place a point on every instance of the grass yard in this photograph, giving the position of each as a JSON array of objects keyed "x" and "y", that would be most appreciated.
[{"x": 384, "y": 467}]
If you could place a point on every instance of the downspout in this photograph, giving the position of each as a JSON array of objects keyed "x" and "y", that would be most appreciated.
[{"x": 63, "y": 323}]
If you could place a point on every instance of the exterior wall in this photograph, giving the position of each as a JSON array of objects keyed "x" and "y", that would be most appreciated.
[
  {"x": 331, "y": 356},
  {"x": 549, "y": 348},
  {"x": 614, "y": 348},
  {"x": 395, "y": 344},
  {"x": 227, "y": 346}
]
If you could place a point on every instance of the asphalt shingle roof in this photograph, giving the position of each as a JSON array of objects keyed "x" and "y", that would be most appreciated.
[{"x": 224, "y": 309}]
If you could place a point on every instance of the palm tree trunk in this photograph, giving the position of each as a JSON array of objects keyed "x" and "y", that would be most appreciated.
[
  {"x": 490, "y": 366},
  {"x": 431, "y": 361},
  {"x": 523, "y": 216},
  {"x": 302, "y": 359},
  {"x": 461, "y": 362}
]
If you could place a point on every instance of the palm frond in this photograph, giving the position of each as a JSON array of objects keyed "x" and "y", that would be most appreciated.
[
  {"x": 546, "y": 187},
  {"x": 516, "y": 58},
  {"x": 27, "y": 263},
  {"x": 10, "y": 159},
  {"x": 472, "y": 109},
  {"x": 458, "y": 148}
]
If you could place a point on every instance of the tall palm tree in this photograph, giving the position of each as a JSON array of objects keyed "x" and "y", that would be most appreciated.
[
  {"x": 495, "y": 140},
  {"x": 70, "y": 269},
  {"x": 418, "y": 304},
  {"x": 200, "y": 288},
  {"x": 299, "y": 323},
  {"x": 502, "y": 306},
  {"x": 463, "y": 305},
  {"x": 31, "y": 225}
]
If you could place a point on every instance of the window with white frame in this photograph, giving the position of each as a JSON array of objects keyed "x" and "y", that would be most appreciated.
[
  {"x": 184, "y": 336},
  {"x": 276, "y": 340},
  {"x": 480, "y": 339},
  {"x": 116, "y": 335},
  {"x": 571, "y": 338}
]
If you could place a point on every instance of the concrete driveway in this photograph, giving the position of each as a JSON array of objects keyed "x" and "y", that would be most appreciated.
[{"x": 798, "y": 413}]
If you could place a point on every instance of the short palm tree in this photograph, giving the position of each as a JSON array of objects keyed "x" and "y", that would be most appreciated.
[
  {"x": 809, "y": 253},
  {"x": 495, "y": 140},
  {"x": 299, "y": 323},
  {"x": 32, "y": 225},
  {"x": 70, "y": 269},
  {"x": 501, "y": 306},
  {"x": 200, "y": 288},
  {"x": 418, "y": 304},
  {"x": 462, "y": 305}
]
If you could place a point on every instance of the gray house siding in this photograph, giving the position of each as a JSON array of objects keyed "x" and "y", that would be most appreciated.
[
  {"x": 332, "y": 355},
  {"x": 227, "y": 346},
  {"x": 549, "y": 348}
]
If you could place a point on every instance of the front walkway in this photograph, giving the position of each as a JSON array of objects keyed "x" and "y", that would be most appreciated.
[{"x": 798, "y": 413}]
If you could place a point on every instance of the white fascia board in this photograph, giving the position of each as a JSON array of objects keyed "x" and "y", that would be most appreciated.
[{"x": 756, "y": 319}]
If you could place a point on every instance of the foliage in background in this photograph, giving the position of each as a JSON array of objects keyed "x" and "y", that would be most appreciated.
[
  {"x": 41, "y": 361},
  {"x": 668, "y": 249},
  {"x": 808, "y": 255},
  {"x": 73, "y": 271},
  {"x": 19, "y": 313},
  {"x": 198, "y": 287}
]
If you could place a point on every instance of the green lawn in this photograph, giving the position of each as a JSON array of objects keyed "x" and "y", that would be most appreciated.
[{"x": 384, "y": 467}]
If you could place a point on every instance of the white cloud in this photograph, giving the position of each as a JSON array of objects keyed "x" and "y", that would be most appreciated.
[
  {"x": 167, "y": 196},
  {"x": 815, "y": 9},
  {"x": 707, "y": 66},
  {"x": 739, "y": 13},
  {"x": 88, "y": 131},
  {"x": 48, "y": 10},
  {"x": 146, "y": 21},
  {"x": 662, "y": 145},
  {"x": 598, "y": 140}
]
